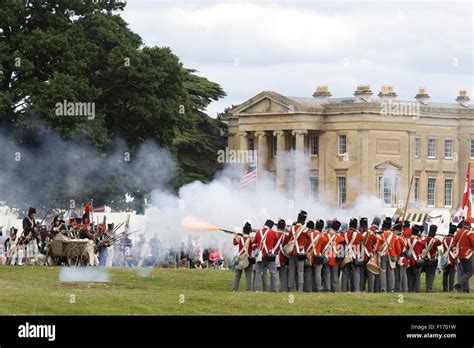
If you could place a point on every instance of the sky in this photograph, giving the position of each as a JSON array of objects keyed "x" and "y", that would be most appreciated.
[{"x": 292, "y": 46}]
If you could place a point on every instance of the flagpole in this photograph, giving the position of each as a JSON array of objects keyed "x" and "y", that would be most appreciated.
[{"x": 467, "y": 197}]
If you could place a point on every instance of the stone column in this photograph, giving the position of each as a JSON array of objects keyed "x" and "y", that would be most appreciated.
[
  {"x": 280, "y": 160},
  {"x": 301, "y": 164},
  {"x": 243, "y": 141},
  {"x": 262, "y": 151}
]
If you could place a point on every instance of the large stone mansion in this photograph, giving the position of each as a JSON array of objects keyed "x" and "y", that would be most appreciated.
[{"x": 359, "y": 145}]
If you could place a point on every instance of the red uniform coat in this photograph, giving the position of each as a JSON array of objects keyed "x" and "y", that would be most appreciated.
[
  {"x": 393, "y": 248},
  {"x": 330, "y": 246},
  {"x": 241, "y": 241},
  {"x": 434, "y": 247},
  {"x": 464, "y": 242},
  {"x": 279, "y": 250},
  {"x": 403, "y": 247},
  {"x": 270, "y": 240},
  {"x": 417, "y": 246},
  {"x": 445, "y": 245},
  {"x": 356, "y": 249},
  {"x": 301, "y": 238},
  {"x": 369, "y": 241},
  {"x": 314, "y": 238}
]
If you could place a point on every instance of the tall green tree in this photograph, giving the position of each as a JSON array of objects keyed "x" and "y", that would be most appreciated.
[{"x": 82, "y": 51}]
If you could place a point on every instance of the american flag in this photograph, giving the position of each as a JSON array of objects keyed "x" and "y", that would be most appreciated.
[{"x": 250, "y": 174}]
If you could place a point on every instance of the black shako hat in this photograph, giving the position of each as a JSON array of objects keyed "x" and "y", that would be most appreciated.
[
  {"x": 335, "y": 225},
  {"x": 353, "y": 224},
  {"x": 281, "y": 224},
  {"x": 432, "y": 231},
  {"x": 269, "y": 223},
  {"x": 397, "y": 227},
  {"x": 363, "y": 223},
  {"x": 406, "y": 224},
  {"x": 310, "y": 225},
  {"x": 31, "y": 210},
  {"x": 376, "y": 222},
  {"x": 416, "y": 229},
  {"x": 247, "y": 228},
  {"x": 387, "y": 223},
  {"x": 319, "y": 225},
  {"x": 302, "y": 216},
  {"x": 452, "y": 229}
]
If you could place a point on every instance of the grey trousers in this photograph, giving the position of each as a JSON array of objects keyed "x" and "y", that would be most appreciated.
[
  {"x": 403, "y": 279},
  {"x": 318, "y": 273},
  {"x": 387, "y": 275},
  {"x": 465, "y": 274},
  {"x": 262, "y": 266},
  {"x": 448, "y": 278},
  {"x": 283, "y": 272},
  {"x": 331, "y": 277},
  {"x": 350, "y": 278},
  {"x": 263, "y": 277},
  {"x": 308, "y": 279},
  {"x": 248, "y": 278},
  {"x": 363, "y": 278},
  {"x": 376, "y": 282},
  {"x": 430, "y": 272},
  {"x": 414, "y": 279},
  {"x": 295, "y": 269},
  {"x": 396, "y": 271}
]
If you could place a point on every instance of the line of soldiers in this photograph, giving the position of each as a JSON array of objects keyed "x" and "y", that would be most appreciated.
[{"x": 386, "y": 256}]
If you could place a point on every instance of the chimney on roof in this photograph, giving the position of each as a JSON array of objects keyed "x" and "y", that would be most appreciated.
[
  {"x": 363, "y": 94},
  {"x": 387, "y": 94},
  {"x": 322, "y": 93},
  {"x": 463, "y": 98},
  {"x": 422, "y": 95}
]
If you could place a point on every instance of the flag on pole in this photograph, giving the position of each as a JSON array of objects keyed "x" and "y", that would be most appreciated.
[
  {"x": 250, "y": 174},
  {"x": 467, "y": 198}
]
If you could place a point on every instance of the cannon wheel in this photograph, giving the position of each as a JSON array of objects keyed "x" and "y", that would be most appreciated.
[
  {"x": 73, "y": 257},
  {"x": 52, "y": 260},
  {"x": 83, "y": 259}
]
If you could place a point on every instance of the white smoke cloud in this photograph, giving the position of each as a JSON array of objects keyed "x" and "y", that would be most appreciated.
[{"x": 223, "y": 203}]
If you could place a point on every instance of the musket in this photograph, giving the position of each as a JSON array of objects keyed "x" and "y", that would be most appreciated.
[
  {"x": 232, "y": 232},
  {"x": 114, "y": 231},
  {"x": 408, "y": 197},
  {"x": 47, "y": 213},
  {"x": 121, "y": 236}
]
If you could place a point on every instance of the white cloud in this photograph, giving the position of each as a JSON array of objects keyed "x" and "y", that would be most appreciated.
[{"x": 291, "y": 47}]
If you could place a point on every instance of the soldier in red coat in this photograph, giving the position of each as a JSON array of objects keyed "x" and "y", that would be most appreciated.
[
  {"x": 429, "y": 253},
  {"x": 367, "y": 248},
  {"x": 415, "y": 261},
  {"x": 316, "y": 255},
  {"x": 449, "y": 255},
  {"x": 331, "y": 245},
  {"x": 351, "y": 243},
  {"x": 297, "y": 254},
  {"x": 401, "y": 279},
  {"x": 244, "y": 243},
  {"x": 388, "y": 248},
  {"x": 309, "y": 277},
  {"x": 265, "y": 241},
  {"x": 464, "y": 241},
  {"x": 281, "y": 261}
]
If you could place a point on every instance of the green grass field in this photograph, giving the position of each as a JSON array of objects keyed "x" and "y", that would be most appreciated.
[{"x": 37, "y": 291}]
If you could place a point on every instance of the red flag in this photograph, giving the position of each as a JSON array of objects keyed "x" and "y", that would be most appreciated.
[{"x": 467, "y": 198}]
